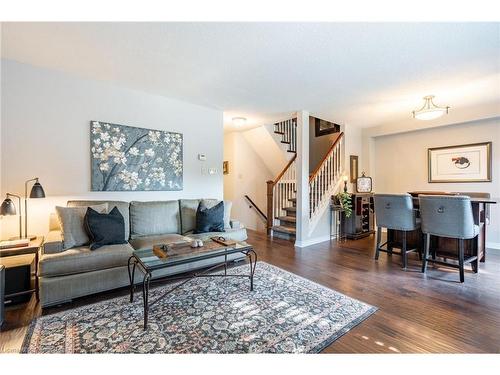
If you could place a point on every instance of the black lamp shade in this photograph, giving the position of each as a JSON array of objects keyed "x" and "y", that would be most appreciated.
[
  {"x": 8, "y": 207},
  {"x": 37, "y": 191}
]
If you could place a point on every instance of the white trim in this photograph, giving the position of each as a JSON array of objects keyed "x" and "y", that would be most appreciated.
[
  {"x": 493, "y": 245},
  {"x": 312, "y": 241}
]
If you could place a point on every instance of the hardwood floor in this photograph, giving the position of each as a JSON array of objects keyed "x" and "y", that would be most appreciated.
[{"x": 417, "y": 313}]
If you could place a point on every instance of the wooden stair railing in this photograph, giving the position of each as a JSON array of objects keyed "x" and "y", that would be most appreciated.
[
  {"x": 279, "y": 192},
  {"x": 325, "y": 176}
]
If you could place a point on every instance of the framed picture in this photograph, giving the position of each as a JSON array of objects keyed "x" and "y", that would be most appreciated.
[
  {"x": 323, "y": 127},
  {"x": 353, "y": 167},
  {"x": 225, "y": 167},
  {"x": 462, "y": 163},
  {"x": 126, "y": 158}
]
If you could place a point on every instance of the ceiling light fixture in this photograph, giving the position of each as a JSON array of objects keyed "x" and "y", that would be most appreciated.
[
  {"x": 239, "y": 121},
  {"x": 430, "y": 111}
]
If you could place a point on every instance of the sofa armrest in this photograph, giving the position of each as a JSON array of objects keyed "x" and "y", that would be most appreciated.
[
  {"x": 235, "y": 224},
  {"x": 53, "y": 242}
]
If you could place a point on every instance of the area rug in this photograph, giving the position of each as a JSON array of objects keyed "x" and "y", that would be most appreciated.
[{"x": 285, "y": 313}]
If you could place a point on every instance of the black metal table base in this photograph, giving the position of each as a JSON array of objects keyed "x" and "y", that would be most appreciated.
[{"x": 133, "y": 262}]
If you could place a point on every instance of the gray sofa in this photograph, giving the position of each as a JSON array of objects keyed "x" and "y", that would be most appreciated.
[{"x": 76, "y": 272}]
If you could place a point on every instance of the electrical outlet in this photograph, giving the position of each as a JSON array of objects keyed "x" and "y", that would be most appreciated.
[
  {"x": 212, "y": 171},
  {"x": 203, "y": 170},
  {"x": 202, "y": 157}
]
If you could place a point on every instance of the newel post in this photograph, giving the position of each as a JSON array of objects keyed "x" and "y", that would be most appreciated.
[{"x": 269, "y": 213}]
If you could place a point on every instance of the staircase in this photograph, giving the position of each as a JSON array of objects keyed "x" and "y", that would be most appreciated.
[{"x": 281, "y": 192}]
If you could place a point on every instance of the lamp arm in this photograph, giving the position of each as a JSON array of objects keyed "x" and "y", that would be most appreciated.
[
  {"x": 20, "y": 216},
  {"x": 26, "y": 205}
]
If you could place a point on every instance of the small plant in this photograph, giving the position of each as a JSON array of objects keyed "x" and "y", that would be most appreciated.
[{"x": 345, "y": 201}]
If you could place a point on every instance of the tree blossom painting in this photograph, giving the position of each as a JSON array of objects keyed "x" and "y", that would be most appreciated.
[{"x": 125, "y": 158}]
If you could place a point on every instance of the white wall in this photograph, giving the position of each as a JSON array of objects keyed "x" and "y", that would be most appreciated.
[
  {"x": 247, "y": 176},
  {"x": 45, "y": 132},
  {"x": 400, "y": 162}
]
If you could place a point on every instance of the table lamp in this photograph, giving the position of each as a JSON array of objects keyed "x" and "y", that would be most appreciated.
[
  {"x": 345, "y": 178},
  {"x": 36, "y": 192},
  {"x": 9, "y": 208}
]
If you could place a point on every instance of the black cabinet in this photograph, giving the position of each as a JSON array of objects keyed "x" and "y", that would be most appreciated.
[{"x": 361, "y": 222}]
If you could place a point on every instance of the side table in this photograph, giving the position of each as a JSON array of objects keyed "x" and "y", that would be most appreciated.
[
  {"x": 337, "y": 225},
  {"x": 14, "y": 260}
]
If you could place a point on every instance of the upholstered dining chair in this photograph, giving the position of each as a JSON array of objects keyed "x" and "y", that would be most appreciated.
[
  {"x": 451, "y": 217},
  {"x": 395, "y": 212}
]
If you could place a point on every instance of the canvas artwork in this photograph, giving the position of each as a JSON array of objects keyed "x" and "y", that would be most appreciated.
[
  {"x": 126, "y": 158},
  {"x": 464, "y": 163}
]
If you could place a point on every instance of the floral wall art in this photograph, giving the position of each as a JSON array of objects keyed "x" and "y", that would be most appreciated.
[{"x": 126, "y": 158}]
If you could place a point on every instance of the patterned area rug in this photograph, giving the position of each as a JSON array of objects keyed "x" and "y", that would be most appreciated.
[{"x": 284, "y": 314}]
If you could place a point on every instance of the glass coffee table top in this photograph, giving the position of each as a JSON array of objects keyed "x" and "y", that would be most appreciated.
[{"x": 182, "y": 252}]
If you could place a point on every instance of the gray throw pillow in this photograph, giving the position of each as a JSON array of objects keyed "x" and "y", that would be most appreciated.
[{"x": 71, "y": 220}]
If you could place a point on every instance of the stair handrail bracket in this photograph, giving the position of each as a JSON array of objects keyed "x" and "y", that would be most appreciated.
[{"x": 325, "y": 181}]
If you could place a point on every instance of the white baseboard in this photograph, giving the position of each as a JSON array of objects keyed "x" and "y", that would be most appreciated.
[
  {"x": 312, "y": 241},
  {"x": 493, "y": 245}
]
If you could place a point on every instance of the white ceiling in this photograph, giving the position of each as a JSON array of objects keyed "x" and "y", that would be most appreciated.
[{"x": 361, "y": 74}]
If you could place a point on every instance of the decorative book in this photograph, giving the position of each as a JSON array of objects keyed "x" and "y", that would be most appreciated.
[{"x": 14, "y": 243}]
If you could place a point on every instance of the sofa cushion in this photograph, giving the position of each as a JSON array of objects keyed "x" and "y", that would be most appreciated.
[
  {"x": 105, "y": 229},
  {"x": 71, "y": 220},
  {"x": 239, "y": 234},
  {"x": 147, "y": 242},
  {"x": 123, "y": 207},
  {"x": 210, "y": 219},
  {"x": 188, "y": 209},
  {"x": 82, "y": 259},
  {"x": 227, "y": 209},
  {"x": 153, "y": 218}
]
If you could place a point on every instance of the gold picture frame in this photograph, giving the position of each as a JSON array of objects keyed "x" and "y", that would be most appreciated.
[{"x": 460, "y": 163}]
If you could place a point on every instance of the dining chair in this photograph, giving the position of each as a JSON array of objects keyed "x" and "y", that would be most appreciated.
[
  {"x": 395, "y": 212},
  {"x": 451, "y": 217}
]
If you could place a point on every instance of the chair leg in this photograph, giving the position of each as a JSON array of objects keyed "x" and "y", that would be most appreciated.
[
  {"x": 403, "y": 251},
  {"x": 426, "y": 252},
  {"x": 377, "y": 248},
  {"x": 461, "y": 259}
]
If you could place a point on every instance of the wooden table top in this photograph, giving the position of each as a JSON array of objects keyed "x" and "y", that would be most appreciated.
[{"x": 485, "y": 200}]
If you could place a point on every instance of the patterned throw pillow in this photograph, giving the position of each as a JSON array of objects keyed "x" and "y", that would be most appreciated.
[
  {"x": 210, "y": 219},
  {"x": 72, "y": 225}
]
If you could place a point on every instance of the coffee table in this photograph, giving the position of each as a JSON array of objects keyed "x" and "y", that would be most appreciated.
[{"x": 147, "y": 262}]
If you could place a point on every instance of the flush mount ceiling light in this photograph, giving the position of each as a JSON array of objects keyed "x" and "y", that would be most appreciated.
[
  {"x": 430, "y": 111},
  {"x": 239, "y": 121}
]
